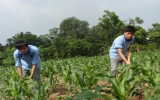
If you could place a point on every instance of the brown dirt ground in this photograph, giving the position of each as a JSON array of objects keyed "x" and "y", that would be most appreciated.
[{"x": 62, "y": 91}]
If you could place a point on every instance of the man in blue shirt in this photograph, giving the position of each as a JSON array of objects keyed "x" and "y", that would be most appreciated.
[
  {"x": 120, "y": 49},
  {"x": 26, "y": 58}
]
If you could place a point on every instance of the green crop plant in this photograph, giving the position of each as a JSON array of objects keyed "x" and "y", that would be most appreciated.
[{"x": 80, "y": 75}]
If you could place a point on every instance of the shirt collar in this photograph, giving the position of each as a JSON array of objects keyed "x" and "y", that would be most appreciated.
[{"x": 125, "y": 40}]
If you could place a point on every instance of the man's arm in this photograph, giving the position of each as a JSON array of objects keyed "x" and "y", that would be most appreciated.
[
  {"x": 129, "y": 54},
  {"x": 18, "y": 63},
  {"x": 32, "y": 71},
  {"x": 20, "y": 71},
  {"x": 122, "y": 56}
]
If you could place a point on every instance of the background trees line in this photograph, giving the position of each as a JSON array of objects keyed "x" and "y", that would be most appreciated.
[{"x": 74, "y": 37}]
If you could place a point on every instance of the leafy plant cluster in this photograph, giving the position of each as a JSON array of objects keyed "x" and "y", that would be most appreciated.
[{"x": 80, "y": 76}]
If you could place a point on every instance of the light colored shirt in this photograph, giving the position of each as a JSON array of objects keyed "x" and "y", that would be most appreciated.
[
  {"x": 120, "y": 43},
  {"x": 27, "y": 60}
]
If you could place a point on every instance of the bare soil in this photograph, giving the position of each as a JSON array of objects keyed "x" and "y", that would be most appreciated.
[{"x": 62, "y": 91}]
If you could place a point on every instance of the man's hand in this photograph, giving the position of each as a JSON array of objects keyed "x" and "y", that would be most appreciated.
[
  {"x": 129, "y": 57},
  {"x": 123, "y": 57},
  {"x": 30, "y": 76},
  {"x": 129, "y": 54},
  {"x": 32, "y": 71},
  {"x": 128, "y": 63}
]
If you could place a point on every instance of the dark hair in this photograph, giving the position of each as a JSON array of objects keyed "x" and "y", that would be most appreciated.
[
  {"x": 129, "y": 29},
  {"x": 21, "y": 43}
]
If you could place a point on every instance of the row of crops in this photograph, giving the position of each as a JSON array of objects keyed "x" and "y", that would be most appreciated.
[{"x": 80, "y": 77}]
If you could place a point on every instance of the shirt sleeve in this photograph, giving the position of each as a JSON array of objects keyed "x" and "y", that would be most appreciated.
[
  {"x": 35, "y": 59},
  {"x": 17, "y": 59},
  {"x": 118, "y": 43}
]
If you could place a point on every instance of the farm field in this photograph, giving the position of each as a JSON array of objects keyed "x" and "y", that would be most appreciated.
[{"x": 87, "y": 78}]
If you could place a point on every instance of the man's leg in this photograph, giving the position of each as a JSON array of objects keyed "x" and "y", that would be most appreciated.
[
  {"x": 36, "y": 77},
  {"x": 114, "y": 64},
  {"x": 123, "y": 62}
]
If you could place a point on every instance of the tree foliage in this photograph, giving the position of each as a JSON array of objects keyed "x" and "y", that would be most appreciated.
[
  {"x": 28, "y": 36},
  {"x": 141, "y": 35},
  {"x": 74, "y": 27},
  {"x": 133, "y": 22},
  {"x": 111, "y": 26},
  {"x": 154, "y": 33},
  {"x": 2, "y": 48}
]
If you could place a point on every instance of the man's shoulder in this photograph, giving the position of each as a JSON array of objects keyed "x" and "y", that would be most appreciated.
[
  {"x": 32, "y": 47},
  {"x": 120, "y": 38},
  {"x": 15, "y": 52}
]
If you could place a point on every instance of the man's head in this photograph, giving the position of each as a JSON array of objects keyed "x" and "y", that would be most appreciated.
[
  {"x": 22, "y": 46},
  {"x": 129, "y": 32}
]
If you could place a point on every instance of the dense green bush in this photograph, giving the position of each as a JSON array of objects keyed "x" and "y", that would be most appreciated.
[
  {"x": 69, "y": 47},
  {"x": 6, "y": 57},
  {"x": 2, "y": 56},
  {"x": 144, "y": 47}
]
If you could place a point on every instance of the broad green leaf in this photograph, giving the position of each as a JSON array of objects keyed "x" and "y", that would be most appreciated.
[
  {"x": 106, "y": 97},
  {"x": 87, "y": 94}
]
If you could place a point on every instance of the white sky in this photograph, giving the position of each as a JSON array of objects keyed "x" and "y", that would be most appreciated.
[{"x": 38, "y": 16}]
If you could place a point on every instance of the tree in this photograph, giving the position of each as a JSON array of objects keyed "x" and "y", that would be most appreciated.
[
  {"x": 47, "y": 38},
  {"x": 9, "y": 43},
  {"x": 74, "y": 27},
  {"x": 141, "y": 35},
  {"x": 2, "y": 47},
  {"x": 95, "y": 39},
  {"x": 28, "y": 36},
  {"x": 138, "y": 20},
  {"x": 133, "y": 22},
  {"x": 154, "y": 33},
  {"x": 111, "y": 26}
]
